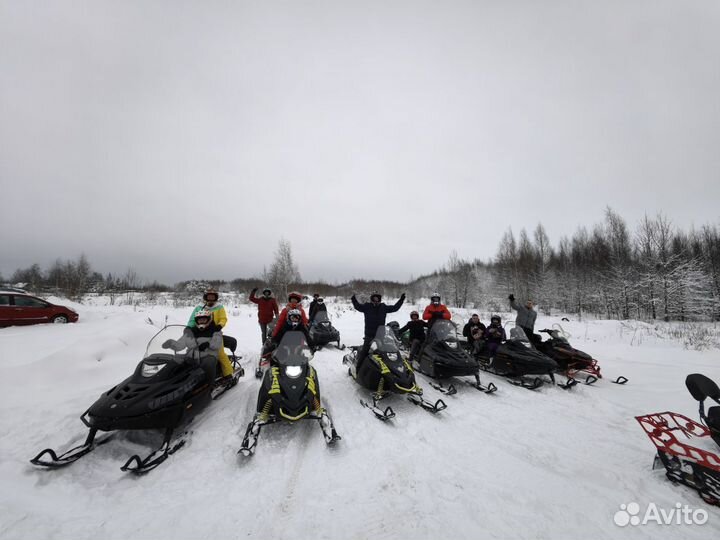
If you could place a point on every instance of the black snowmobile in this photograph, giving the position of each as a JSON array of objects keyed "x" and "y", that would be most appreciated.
[
  {"x": 290, "y": 391},
  {"x": 385, "y": 371},
  {"x": 571, "y": 361},
  {"x": 442, "y": 357},
  {"x": 520, "y": 362},
  {"x": 690, "y": 451},
  {"x": 323, "y": 332},
  {"x": 166, "y": 390}
]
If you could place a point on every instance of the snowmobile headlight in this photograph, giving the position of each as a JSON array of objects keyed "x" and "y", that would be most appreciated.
[
  {"x": 293, "y": 371},
  {"x": 150, "y": 370}
]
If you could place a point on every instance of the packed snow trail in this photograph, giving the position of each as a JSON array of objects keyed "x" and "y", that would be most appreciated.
[{"x": 516, "y": 464}]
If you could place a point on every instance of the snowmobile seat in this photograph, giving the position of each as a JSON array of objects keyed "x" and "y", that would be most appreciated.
[{"x": 702, "y": 388}]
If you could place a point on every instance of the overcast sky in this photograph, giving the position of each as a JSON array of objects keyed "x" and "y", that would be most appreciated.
[{"x": 185, "y": 138}]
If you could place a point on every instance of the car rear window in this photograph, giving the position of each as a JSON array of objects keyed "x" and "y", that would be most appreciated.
[{"x": 4, "y": 300}]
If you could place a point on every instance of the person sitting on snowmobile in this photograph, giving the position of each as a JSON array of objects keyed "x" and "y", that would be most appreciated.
[
  {"x": 292, "y": 324},
  {"x": 474, "y": 331},
  {"x": 494, "y": 335},
  {"x": 204, "y": 336},
  {"x": 267, "y": 310},
  {"x": 375, "y": 312},
  {"x": 435, "y": 310},
  {"x": 526, "y": 316},
  {"x": 417, "y": 333},
  {"x": 294, "y": 300},
  {"x": 211, "y": 297},
  {"x": 317, "y": 308}
]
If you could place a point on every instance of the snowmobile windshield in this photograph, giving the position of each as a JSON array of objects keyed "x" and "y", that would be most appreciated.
[
  {"x": 293, "y": 350},
  {"x": 321, "y": 317},
  {"x": 174, "y": 332},
  {"x": 518, "y": 334},
  {"x": 385, "y": 340},
  {"x": 443, "y": 330}
]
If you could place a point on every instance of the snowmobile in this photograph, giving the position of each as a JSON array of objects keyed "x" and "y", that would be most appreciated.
[
  {"x": 520, "y": 362},
  {"x": 441, "y": 356},
  {"x": 570, "y": 361},
  {"x": 290, "y": 391},
  {"x": 690, "y": 451},
  {"x": 385, "y": 371},
  {"x": 322, "y": 331},
  {"x": 166, "y": 390}
]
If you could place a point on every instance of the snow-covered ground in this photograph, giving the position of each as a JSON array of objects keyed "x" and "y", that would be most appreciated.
[{"x": 516, "y": 464}]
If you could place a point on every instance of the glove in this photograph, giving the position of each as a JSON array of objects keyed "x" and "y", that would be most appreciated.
[
  {"x": 402, "y": 296},
  {"x": 511, "y": 297},
  {"x": 437, "y": 315},
  {"x": 254, "y": 290},
  {"x": 168, "y": 344},
  {"x": 204, "y": 346}
]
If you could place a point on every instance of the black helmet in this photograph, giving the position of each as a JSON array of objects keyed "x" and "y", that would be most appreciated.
[
  {"x": 414, "y": 313},
  {"x": 266, "y": 290},
  {"x": 375, "y": 294},
  {"x": 495, "y": 318}
]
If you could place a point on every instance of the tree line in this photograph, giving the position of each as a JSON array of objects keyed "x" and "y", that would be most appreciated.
[{"x": 654, "y": 271}]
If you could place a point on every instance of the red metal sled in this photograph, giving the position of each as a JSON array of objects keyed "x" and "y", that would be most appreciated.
[{"x": 676, "y": 436}]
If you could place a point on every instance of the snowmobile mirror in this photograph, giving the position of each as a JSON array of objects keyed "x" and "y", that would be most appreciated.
[{"x": 702, "y": 388}]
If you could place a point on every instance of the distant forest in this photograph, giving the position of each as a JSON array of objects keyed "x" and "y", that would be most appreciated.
[{"x": 655, "y": 271}]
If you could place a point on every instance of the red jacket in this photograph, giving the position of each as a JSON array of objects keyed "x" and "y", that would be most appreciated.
[
  {"x": 267, "y": 307},
  {"x": 440, "y": 308},
  {"x": 283, "y": 317}
]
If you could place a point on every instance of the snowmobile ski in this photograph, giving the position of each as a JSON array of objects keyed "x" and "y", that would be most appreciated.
[
  {"x": 72, "y": 455},
  {"x": 380, "y": 414},
  {"x": 449, "y": 391},
  {"x": 252, "y": 433},
  {"x": 490, "y": 388},
  {"x": 249, "y": 442},
  {"x": 417, "y": 399},
  {"x": 142, "y": 465},
  {"x": 567, "y": 385},
  {"x": 327, "y": 427},
  {"x": 620, "y": 380},
  {"x": 527, "y": 382}
]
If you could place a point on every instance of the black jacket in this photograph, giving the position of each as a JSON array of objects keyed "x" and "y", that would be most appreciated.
[
  {"x": 375, "y": 314},
  {"x": 417, "y": 329},
  {"x": 470, "y": 326},
  {"x": 314, "y": 309}
]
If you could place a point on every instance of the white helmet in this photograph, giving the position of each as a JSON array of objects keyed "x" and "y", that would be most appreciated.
[
  {"x": 206, "y": 317},
  {"x": 294, "y": 313}
]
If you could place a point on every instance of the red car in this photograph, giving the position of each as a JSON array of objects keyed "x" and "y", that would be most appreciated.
[{"x": 22, "y": 308}]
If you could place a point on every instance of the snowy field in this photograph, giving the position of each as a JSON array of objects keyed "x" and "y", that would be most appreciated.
[{"x": 516, "y": 464}]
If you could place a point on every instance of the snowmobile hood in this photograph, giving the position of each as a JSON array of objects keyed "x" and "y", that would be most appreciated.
[
  {"x": 450, "y": 360},
  {"x": 527, "y": 360},
  {"x": 156, "y": 401}
]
